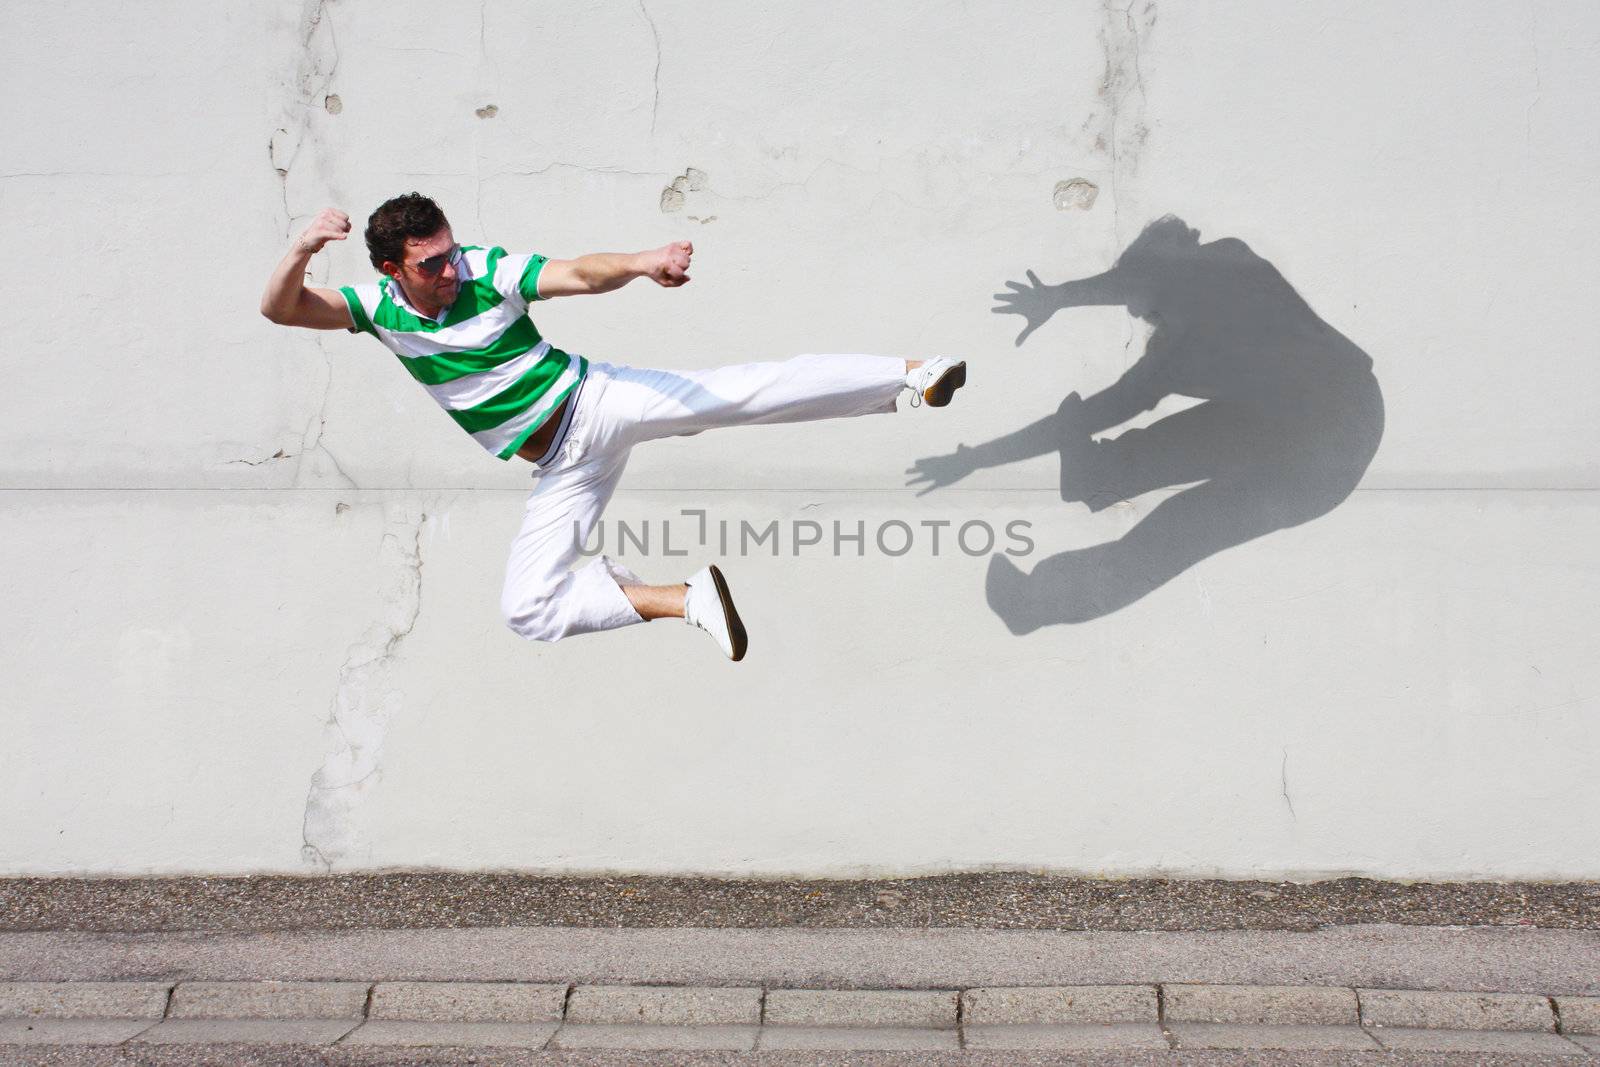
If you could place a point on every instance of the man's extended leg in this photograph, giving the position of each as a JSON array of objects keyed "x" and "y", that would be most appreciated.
[
  {"x": 696, "y": 392},
  {"x": 672, "y": 403}
]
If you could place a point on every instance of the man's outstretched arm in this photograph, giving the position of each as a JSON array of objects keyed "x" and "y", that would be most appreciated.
[
  {"x": 288, "y": 301},
  {"x": 601, "y": 272}
]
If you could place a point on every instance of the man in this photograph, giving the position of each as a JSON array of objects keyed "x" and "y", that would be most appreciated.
[{"x": 457, "y": 317}]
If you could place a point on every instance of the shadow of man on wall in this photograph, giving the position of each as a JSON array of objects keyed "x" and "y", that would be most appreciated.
[{"x": 1291, "y": 418}]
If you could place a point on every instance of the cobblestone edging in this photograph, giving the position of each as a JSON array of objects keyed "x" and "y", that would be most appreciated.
[{"x": 512, "y": 1015}]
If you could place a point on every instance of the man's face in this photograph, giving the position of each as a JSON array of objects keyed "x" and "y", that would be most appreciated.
[{"x": 431, "y": 271}]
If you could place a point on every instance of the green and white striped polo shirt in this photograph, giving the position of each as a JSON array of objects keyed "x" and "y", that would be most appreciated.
[{"x": 482, "y": 359}]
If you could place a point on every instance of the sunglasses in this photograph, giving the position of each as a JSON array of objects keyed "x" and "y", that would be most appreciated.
[{"x": 433, "y": 265}]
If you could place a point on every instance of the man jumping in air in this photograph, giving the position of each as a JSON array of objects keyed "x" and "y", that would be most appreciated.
[{"x": 457, "y": 316}]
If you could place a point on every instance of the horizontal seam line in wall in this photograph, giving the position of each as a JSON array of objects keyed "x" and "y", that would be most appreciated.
[{"x": 700, "y": 489}]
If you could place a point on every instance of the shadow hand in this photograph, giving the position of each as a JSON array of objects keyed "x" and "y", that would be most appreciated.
[
  {"x": 1035, "y": 302},
  {"x": 936, "y": 472}
]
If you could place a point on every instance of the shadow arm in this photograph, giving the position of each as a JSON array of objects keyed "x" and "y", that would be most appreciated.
[
  {"x": 1035, "y": 439},
  {"x": 1141, "y": 387}
]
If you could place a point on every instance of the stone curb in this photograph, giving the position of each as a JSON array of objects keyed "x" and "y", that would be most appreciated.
[
  {"x": 1496, "y": 1042},
  {"x": 468, "y": 1002},
  {"x": 906, "y": 1008},
  {"x": 1081, "y": 1037},
  {"x": 84, "y": 1000},
  {"x": 1427, "y": 1010},
  {"x": 1579, "y": 1015},
  {"x": 652, "y": 1037},
  {"x": 1060, "y": 1005},
  {"x": 71, "y": 1031},
  {"x": 246, "y": 1031},
  {"x": 1261, "y": 1005},
  {"x": 664, "y": 1006},
  {"x": 640, "y": 1018},
  {"x": 410, "y": 1033},
  {"x": 1282, "y": 1038},
  {"x": 858, "y": 1039},
  {"x": 269, "y": 1000}
]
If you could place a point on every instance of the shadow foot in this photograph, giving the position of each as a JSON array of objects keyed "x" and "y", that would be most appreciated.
[{"x": 1009, "y": 591}]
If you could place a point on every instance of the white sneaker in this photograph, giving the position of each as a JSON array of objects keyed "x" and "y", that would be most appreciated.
[
  {"x": 709, "y": 606},
  {"x": 936, "y": 381}
]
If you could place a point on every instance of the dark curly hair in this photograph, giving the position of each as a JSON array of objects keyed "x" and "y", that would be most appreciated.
[{"x": 411, "y": 215}]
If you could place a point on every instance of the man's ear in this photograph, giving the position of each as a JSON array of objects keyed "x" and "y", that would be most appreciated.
[{"x": 391, "y": 269}]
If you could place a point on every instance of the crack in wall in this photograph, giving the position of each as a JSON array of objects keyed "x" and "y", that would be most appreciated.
[
  {"x": 206, "y": 172},
  {"x": 314, "y": 71},
  {"x": 694, "y": 179},
  {"x": 305, "y": 101},
  {"x": 364, "y": 701},
  {"x": 655, "y": 104},
  {"x": 279, "y": 454},
  {"x": 1123, "y": 130},
  {"x": 487, "y": 112},
  {"x": 1283, "y": 784},
  {"x": 1538, "y": 76},
  {"x": 483, "y": 33}
]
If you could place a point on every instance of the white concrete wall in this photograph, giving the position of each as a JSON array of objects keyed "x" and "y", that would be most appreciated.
[{"x": 251, "y": 574}]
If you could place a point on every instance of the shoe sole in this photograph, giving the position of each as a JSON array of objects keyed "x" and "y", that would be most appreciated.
[
  {"x": 735, "y": 627},
  {"x": 939, "y": 393}
]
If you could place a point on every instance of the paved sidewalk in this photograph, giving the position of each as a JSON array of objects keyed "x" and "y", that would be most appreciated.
[
  {"x": 1367, "y": 994},
  {"x": 1514, "y": 960},
  {"x": 374, "y": 1022},
  {"x": 991, "y": 970}
]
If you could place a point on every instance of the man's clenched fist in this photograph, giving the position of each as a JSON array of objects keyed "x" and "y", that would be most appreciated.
[
  {"x": 669, "y": 264},
  {"x": 331, "y": 224}
]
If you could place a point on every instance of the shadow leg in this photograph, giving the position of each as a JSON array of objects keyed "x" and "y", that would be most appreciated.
[
  {"x": 1087, "y": 583},
  {"x": 1208, "y": 441}
]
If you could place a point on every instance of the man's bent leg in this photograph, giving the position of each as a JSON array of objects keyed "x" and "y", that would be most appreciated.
[
  {"x": 657, "y": 601},
  {"x": 543, "y": 598}
]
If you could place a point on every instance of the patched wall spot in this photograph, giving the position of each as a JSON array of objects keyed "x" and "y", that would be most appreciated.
[
  {"x": 692, "y": 180},
  {"x": 280, "y": 148},
  {"x": 333, "y": 103},
  {"x": 1079, "y": 193}
]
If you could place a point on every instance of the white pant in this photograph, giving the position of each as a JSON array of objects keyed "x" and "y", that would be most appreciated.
[{"x": 544, "y": 599}]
